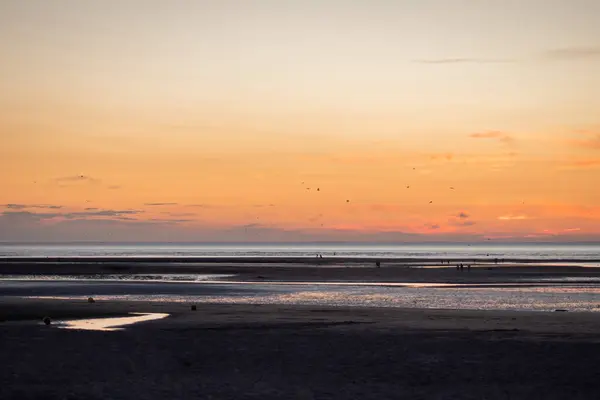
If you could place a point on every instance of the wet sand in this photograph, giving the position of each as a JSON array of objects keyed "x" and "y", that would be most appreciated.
[
  {"x": 302, "y": 352},
  {"x": 292, "y": 270},
  {"x": 242, "y": 351}
]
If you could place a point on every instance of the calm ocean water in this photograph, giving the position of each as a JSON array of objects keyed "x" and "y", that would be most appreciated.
[{"x": 530, "y": 251}]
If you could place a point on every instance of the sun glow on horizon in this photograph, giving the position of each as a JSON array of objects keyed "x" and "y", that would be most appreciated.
[{"x": 223, "y": 121}]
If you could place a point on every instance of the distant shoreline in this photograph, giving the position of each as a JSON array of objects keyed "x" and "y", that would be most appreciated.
[
  {"x": 313, "y": 260},
  {"x": 315, "y": 243}
]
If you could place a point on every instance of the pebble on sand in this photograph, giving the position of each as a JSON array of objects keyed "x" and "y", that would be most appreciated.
[
  {"x": 91, "y": 300},
  {"x": 47, "y": 320},
  {"x": 193, "y": 307}
]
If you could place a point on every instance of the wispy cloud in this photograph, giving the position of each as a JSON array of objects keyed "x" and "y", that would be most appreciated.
[
  {"x": 433, "y": 227},
  {"x": 572, "y": 53},
  {"x": 463, "y": 60},
  {"x": 459, "y": 223},
  {"x": 102, "y": 213},
  {"x": 89, "y": 213},
  {"x": 114, "y": 187},
  {"x": 77, "y": 179},
  {"x": 201, "y": 206},
  {"x": 13, "y": 206},
  {"x": 170, "y": 221},
  {"x": 444, "y": 156},
  {"x": 172, "y": 214},
  {"x": 592, "y": 141},
  {"x": 160, "y": 204},
  {"x": 581, "y": 164},
  {"x": 511, "y": 217},
  {"x": 462, "y": 219},
  {"x": 495, "y": 135},
  {"x": 12, "y": 215}
]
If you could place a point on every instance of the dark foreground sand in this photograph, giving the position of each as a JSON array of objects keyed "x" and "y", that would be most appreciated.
[{"x": 298, "y": 352}]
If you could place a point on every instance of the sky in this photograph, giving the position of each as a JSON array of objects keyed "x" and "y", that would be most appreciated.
[{"x": 265, "y": 120}]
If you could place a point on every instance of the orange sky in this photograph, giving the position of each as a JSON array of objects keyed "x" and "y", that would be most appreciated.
[{"x": 305, "y": 122}]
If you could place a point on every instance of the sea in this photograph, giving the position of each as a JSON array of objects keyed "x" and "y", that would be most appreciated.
[
  {"x": 425, "y": 251},
  {"x": 577, "y": 293}
]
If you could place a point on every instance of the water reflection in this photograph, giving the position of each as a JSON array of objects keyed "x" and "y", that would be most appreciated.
[
  {"x": 109, "y": 324},
  {"x": 179, "y": 278}
]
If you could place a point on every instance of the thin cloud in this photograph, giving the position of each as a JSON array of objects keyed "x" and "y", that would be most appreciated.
[
  {"x": 13, "y": 206},
  {"x": 172, "y": 214},
  {"x": 71, "y": 215},
  {"x": 29, "y": 215},
  {"x": 572, "y": 53},
  {"x": 254, "y": 226},
  {"x": 593, "y": 142},
  {"x": 160, "y": 204},
  {"x": 201, "y": 206},
  {"x": 433, "y": 227},
  {"x": 77, "y": 179},
  {"x": 102, "y": 213},
  {"x": 463, "y": 215},
  {"x": 462, "y": 223},
  {"x": 511, "y": 217},
  {"x": 496, "y": 135},
  {"x": 445, "y": 156},
  {"x": 127, "y": 219},
  {"x": 463, "y": 60},
  {"x": 170, "y": 221},
  {"x": 582, "y": 164},
  {"x": 502, "y": 137},
  {"x": 114, "y": 187}
]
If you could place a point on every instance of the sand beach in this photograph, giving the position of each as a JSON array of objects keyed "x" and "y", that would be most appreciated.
[{"x": 270, "y": 351}]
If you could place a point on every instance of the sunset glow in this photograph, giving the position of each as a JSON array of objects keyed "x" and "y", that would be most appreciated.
[{"x": 295, "y": 121}]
